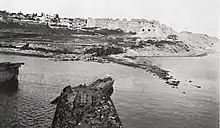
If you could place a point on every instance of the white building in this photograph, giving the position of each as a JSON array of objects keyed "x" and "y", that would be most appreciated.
[
  {"x": 151, "y": 30},
  {"x": 90, "y": 22},
  {"x": 1, "y": 17}
]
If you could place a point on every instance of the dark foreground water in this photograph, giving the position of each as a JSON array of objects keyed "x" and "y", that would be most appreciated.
[{"x": 142, "y": 100}]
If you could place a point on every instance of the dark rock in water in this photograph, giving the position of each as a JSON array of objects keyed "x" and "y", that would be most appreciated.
[
  {"x": 184, "y": 92},
  {"x": 87, "y": 106},
  {"x": 198, "y": 86},
  {"x": 172, "y": 82},
  {"x": 190, "y": 81}
]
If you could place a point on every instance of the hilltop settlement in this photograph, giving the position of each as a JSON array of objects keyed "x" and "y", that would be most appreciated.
[{"x": 101, "y": 40}]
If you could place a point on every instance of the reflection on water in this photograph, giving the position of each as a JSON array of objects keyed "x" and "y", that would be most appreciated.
[
  {"x": 141, "y": 99},
  {"x": 9, "y": 87}
]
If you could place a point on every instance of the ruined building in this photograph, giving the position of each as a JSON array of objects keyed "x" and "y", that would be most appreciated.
[{"x": 142, "y": 27}]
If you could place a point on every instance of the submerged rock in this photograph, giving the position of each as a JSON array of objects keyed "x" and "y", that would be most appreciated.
[
  {"x": 198, "y": 86},
  {"x": 173, "y": 82}
]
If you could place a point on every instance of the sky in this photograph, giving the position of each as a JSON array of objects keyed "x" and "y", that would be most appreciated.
[{"x": 198, "y": 16}]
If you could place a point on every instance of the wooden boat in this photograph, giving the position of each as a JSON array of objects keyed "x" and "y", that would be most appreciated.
[
  {"x": 87, "y": 107},
  {"x": 8, "y": 78},
  {"x": 9, "y": 71}
]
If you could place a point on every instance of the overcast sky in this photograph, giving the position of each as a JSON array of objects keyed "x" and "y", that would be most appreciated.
[{"x": 201, "y": 16}]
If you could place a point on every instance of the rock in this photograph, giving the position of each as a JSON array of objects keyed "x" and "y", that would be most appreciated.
[
  {"x": 172, "y": 82},
  {"x": 87, "y": 106},
  {"x": 198, "y": 86},
  {"x": 55, "y": 101}
]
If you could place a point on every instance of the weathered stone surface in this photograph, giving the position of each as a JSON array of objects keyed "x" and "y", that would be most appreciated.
[{"x": 87, "y": 107}]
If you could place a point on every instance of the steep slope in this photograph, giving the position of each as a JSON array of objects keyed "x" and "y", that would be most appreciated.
[
  {"x": 160, "y": 33},
  {"x": 199, "y": 42}
]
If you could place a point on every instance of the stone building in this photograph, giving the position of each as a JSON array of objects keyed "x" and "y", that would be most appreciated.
[
  {"x": 79, "y": 22},
  {"x": 133, "y": 25},
  {"x": 2, "y": 17},
  {"x": 90, "y": 22},
  {"x": 151, "y": 29}
]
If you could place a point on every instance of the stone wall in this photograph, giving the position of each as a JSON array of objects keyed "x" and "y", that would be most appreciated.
[
  {"x": 115, "y": 24},
  {"x": 133, "y": 25},
  {"x": 143, "y": 28}
]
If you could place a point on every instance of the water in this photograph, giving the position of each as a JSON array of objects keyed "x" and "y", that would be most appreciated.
[{"x": 142, "y": 100}]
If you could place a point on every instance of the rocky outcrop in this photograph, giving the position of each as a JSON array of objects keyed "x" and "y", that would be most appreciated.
[
  {"x": 155, "y": 70},
  {"x": 199, "y": 42},
  {"x": 87, "y": 106},
  {"x": 194, "y": 41}
]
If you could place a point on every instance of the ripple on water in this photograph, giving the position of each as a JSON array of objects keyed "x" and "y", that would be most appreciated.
[{"x": 140, "y": 99}]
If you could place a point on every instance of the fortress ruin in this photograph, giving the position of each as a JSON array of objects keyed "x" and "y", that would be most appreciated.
[{"x": 141, "y": 26}]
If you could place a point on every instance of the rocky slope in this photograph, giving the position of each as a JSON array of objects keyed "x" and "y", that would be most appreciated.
[
  {"x": 172, "y": 43},
  {"x": 200, "y": 41},
  {"x": 153, "y": 38},
  {"x": 104, "y": 45}
]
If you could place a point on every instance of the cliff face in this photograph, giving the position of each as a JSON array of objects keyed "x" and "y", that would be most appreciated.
[
  {"x": 194, "y": 41},
  {"x": 200, "y": 42}
]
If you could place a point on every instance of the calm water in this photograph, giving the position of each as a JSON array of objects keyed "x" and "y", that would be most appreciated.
[{"x": 142, "y": 100}]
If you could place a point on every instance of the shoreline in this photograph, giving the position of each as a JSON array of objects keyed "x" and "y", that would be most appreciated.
[
  {"x": 52, "y": 56},
  {"x": 154, "y": 70},
  {"x": 94, "y": 50},
  {"x": 24, "y": 54},
  {"x": 190, "y": 55}
]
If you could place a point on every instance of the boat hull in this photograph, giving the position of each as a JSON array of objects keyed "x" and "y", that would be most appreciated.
[
  {"x": 9, "y": 76},
  {"x": 8, "y": 73}
]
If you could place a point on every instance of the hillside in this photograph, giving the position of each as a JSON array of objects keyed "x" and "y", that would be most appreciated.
[
  {"x": 101, "y": 44},
  {"x": 137, "y": 37},
  {"x": 184, "y": 43},
  {"x": 200, "y": 41}
]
